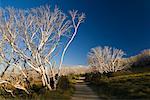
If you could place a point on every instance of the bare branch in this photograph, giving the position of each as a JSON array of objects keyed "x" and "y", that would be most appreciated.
[{"x": 106, "y": 59}]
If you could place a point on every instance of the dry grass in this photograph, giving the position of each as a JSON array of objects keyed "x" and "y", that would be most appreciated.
[{"x": 133, "y": 86}]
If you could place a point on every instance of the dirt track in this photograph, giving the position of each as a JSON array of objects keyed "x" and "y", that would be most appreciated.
[{"x": 84, "y": 92}]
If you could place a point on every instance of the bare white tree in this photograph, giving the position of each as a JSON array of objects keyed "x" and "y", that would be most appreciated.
[
  {"x": 106, "y": 59},
  {"x": 36, "y": 35},
  {"x": 9, "y": 61}
]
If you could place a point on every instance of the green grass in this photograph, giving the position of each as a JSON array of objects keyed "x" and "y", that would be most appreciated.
[{"x": 132, "y": 86}]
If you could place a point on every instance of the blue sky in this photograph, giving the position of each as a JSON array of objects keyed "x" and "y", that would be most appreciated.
[{"x": 124, "y": 24}]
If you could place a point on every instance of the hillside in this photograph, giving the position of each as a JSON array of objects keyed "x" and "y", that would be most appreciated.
[{"x": 121, "y": 86}]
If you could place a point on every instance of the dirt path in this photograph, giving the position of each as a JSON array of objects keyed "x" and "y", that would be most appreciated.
[{"x": 83, "y": 92}]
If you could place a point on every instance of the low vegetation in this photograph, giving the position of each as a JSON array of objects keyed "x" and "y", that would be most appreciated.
[
  {"x": 131, "y": 86},
  {"x": 38, "y": 92}
]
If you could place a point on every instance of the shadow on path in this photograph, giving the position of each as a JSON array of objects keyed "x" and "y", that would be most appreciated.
[{"x": 84, "y": 92}]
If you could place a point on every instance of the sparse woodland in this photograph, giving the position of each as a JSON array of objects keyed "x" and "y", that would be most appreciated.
[{"x": 32, "y": 39}]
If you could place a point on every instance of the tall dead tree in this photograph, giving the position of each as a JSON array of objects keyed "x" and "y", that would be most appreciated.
[
  {"x": 35, "y": 35},
  {"x": 106, "y": 59}
]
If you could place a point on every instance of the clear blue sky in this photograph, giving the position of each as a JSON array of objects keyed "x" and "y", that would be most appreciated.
[{"x": 123, "y": 24}]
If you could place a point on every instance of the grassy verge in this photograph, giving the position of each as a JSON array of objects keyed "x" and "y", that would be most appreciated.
[
  {"x": 64, "y": 91},
  {"x": 133, "y": 86}
]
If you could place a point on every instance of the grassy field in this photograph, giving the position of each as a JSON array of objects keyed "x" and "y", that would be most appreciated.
[{"x": 132, "y": 86}]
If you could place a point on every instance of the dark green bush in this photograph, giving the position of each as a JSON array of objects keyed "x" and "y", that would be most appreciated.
[
  {"x": 63, "y": 83},
  {"x": 36, "y": 88},
  {"x": 109, "y": 74}
]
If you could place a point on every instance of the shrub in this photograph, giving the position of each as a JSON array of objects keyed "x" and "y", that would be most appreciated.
[
  {"x": 63, "y": 83},
  {"x": 36, "y": 88}
]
